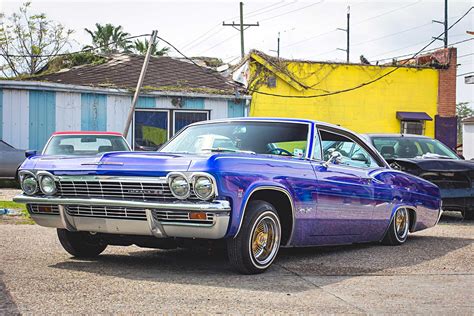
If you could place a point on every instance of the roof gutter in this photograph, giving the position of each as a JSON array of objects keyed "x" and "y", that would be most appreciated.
[{"x": 61, "y": 87}]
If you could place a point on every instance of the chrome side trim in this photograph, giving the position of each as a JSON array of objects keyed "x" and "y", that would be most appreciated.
[
  {"x": 65, "y": 219},
  {"x": 275, "y": 188},
  {"x": 215, "y": 206},
  {"x": 155, "y": 226}
]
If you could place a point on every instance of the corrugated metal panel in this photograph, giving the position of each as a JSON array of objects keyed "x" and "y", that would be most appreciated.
[
  {"x": 68, "y": 111},
  {"x": 164, "y": 103},
  {"x": 93, "y": 112},
  {"x": 235, "y": 109},
  {"x": 117, "y": 111},
  {"x": 15, "y": 117},
  {"x": 218, "y": 108},
  {"x": 146, "y": 103},
  {"x": 193, "y": 103},
  {"x": 42, "y": 118},
  {"x": 1, "y": 114}
]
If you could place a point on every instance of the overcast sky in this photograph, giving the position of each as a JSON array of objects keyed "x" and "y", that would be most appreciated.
[{"x": 379, "y": 29}]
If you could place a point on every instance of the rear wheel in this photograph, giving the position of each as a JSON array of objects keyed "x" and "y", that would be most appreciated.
[
  {"x": 253, "y": 250},
  {"x": 80, "y": 244},
  {"x": 397, "y": 232}
]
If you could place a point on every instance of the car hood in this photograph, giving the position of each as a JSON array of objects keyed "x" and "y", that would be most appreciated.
[
  {"x": 115, "y": 163},
  {"x": 442, "y": 165}
]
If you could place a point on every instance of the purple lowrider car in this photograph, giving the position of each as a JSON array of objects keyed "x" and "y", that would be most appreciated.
[{"x": 256, "y": 184}]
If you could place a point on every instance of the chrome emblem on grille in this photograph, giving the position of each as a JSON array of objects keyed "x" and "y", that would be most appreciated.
[{"x": 138, "y": 191}]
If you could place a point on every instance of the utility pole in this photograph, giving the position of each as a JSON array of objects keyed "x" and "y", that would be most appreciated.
[
  {"x": 278, "y": 46},
  {"x": 139, "y": 83},
  {"x": 241, "y": 27},
  {"x": 347, "y": 30},
  {"x": 445, "y": 24}
]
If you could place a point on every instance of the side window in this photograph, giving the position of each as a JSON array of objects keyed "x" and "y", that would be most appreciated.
[{"x": 353, "y": 154}]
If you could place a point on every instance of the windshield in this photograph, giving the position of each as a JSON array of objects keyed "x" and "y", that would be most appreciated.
[
  {"x": 412, "y": 147},
  {"x": 275, "y": 138},
  {"x": 83, "y": 145}
]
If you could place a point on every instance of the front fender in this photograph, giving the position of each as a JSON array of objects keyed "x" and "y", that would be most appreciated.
[{"x": 240, "y": 204}]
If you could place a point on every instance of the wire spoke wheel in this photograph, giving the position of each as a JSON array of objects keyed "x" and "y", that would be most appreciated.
[
  {"x": 265, "y": 240},
  {"x": 401, "y": 223}
]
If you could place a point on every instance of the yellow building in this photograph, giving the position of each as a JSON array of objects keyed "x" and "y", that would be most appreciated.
[{"x": 364, "y": 98}]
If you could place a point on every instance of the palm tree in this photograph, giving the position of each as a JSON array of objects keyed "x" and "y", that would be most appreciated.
[
  {"x": 109, "y": 39},
  {"x": 141, "y": 47}
]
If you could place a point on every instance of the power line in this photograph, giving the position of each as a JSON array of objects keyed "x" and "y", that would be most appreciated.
[
  {"x": 429, "y": 50},
  {"x": 285, "y": 13},
  {"x": 392, "y": 34},
  {"x": 465, "y": 55},
  {"x": 359, "y": 22},
  {"x": 466, "y": 73},
  {"x": 249, "y": 15}
]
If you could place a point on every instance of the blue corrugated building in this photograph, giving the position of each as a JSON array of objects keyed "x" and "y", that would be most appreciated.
[{"x": 98, "y": 97}]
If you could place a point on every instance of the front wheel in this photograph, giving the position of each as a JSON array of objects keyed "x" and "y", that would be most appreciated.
[
  {"x": 253, "y": 250},
  {"x": 80, "y": 244},
  {"x": 397, "y": 232}
]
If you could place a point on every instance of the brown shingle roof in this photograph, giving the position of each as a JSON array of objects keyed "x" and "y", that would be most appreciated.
[{"x": 163, "y": 73}]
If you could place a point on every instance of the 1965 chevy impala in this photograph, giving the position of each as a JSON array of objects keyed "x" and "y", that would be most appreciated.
[{"x": 257, "y": 184}]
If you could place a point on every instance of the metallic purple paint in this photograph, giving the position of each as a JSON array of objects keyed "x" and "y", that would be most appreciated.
[{"x": 332, "y": 205}]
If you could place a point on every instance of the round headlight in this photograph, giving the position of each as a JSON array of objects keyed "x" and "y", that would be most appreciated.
[
  {"x": 179, "y": 187},
  {"x": 29, "y": 185},
  {"x": 47, "y": 185},
  {"x": 203, "y": 187}
]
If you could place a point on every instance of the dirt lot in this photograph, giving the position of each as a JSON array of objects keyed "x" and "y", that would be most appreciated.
[{"x": 431, "y": 274}]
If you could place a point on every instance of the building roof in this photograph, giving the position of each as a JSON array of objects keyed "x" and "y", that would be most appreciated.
[
  {"x": 163, "y": 74},
  {"x": 468, "y": 120}
]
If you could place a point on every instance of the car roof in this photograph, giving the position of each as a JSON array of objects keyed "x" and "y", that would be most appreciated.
[
  {"x": 272, "y": 119},
  {"x": 396, "y": 135},
  {"x": 87, "y": 133}
]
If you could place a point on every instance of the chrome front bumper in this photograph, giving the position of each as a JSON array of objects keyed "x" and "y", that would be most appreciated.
[{"x": 149, "y": 227}]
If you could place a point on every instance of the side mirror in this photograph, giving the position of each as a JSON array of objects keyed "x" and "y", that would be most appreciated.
[
  {"x": 335, "y": 157},
  {"x": 359, "y": 157},
  {"x": 30, "y": 153}
]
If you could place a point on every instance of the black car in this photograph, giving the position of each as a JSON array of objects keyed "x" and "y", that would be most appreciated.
[{"x": 432, "y": 160}]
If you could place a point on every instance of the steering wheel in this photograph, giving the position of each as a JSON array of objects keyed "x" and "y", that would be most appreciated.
[{"x": 279, "y": 151}]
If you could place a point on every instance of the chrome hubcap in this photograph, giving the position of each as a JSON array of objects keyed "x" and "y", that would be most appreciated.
[{"x": 265, "y": 240}]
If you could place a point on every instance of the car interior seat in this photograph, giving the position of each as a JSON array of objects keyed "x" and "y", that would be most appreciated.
[
  {"x": 103, "y": 149},
  {"x": 65, "y": 150},
  {"x": 387, "y": 151},
  {"x": 407, "y": 150}
]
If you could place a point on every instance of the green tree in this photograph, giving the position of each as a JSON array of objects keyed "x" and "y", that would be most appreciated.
[
  {"x": 141, "y": 47},
  {"x": 29, "y": 41},
  {"x": 109, "y": 39},
  {"x": 463, "y": 110}
]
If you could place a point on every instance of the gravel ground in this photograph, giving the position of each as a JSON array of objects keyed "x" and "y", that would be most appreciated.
[
  {"x": 431, "y": 274},
  {"x": 8, "y": 194}
]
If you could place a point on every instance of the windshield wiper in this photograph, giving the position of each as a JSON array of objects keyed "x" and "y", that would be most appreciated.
[{"x": 229, "y": 150}]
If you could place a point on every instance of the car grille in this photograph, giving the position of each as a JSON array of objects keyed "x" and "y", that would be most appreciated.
[
  {"x": 116, "y": 189},
  {"x": 47, "y": 209},
  {"x": 162, "y": 216},
  {"x": 448, "y": 180}
]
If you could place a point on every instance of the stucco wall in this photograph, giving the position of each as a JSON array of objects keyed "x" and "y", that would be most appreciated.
[{"x": 370, "y": 109}]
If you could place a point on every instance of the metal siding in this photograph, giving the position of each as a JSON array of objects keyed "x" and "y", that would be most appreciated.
[
  {"x": 218, "y": 108},
  {"x": 117, "y": 112},
  {"x": 15, "y": 118},
  {"x": 146, "y": 103},
  {"x": 236, "y": 109},
  {"x": 193, "y": 103},
  {"x": 93, "y": 112},
  {"x": 68, "y": 111},
  {"x": 164, "y": 103},
  {"x": 42, "y": 117}
]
